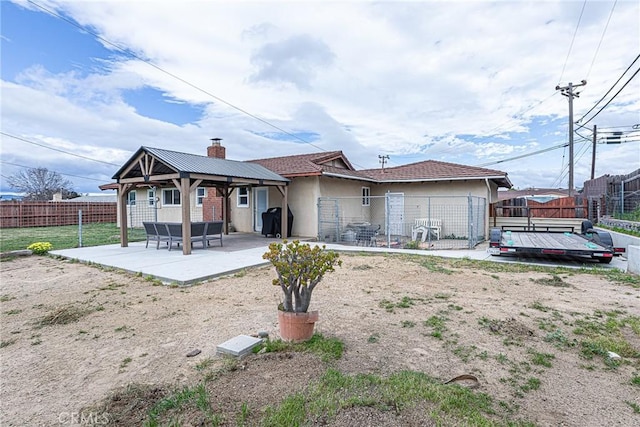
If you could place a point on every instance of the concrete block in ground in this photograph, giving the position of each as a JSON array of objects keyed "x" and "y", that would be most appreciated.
[
  {"x": 633, "y": 258},
  {"x": 238, "y": 346}
]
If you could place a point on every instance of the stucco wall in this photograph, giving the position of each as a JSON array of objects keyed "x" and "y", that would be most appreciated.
[
  {"x": 303, "y": 194},
  {"x": 142, "y": 211},
  {"x": 302, "y": 199},
  {"x": 448, "y": 202},
  {"x": 241, "y": 216}
]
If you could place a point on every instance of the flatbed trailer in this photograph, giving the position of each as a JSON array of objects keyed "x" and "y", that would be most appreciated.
[{"x": 554, "y": 241}]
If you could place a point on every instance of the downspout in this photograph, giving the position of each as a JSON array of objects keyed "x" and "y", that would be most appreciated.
[{"x": 488, "y": 211}]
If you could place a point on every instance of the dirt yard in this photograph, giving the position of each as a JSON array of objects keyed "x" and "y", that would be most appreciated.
[{"x": 74, "y": 334}]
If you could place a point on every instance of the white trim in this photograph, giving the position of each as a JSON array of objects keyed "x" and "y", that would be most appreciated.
[
  {"x": 248, "y": 196},
  {"x": 165, "y": 190},
  {"x": 151, "y": 197},
  {"x": 256, "y": 214},
  {"x": 366, "y": 197},
  {"x": 391, "y": 181},
  {"x": 204, "y": 195}
]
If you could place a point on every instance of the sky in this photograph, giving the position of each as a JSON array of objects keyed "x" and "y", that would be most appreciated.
[{"x": 84, "y": 84}]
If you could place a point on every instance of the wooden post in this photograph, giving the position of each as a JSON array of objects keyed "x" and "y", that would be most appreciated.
[
  {"x": 285, "y": 213},
  {"x": 185, "y": 186},
  {"x": 225, "y": 210},
  {"x": 123, "y": 190}
]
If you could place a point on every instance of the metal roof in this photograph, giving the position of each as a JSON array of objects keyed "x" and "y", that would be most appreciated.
[{"x": 192, "y": 163}]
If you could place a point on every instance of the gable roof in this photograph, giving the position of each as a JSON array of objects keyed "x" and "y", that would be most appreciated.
[
  {"x": 433, "y": 170},
  {"x": 430, "y": 170},
  {"x": 167, "y": 162},
  {"x": 305, "y": 164}
]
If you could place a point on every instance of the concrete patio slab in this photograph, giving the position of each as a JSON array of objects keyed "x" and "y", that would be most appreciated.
[
  {"x": 168, "y": 266},
  {"x": 204, "y": 264}
]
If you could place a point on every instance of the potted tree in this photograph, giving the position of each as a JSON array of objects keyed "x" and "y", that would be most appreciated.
[{"x": 299, "y": 268}]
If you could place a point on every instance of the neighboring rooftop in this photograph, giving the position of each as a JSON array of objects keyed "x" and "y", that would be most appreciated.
[{"x": 535, "y": 193}]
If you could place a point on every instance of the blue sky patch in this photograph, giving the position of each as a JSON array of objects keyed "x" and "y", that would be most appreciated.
[
  {"x": 48, "y": 41},
  {"x": 154, "y": 104},
  {"x": 291, "y": 137}
]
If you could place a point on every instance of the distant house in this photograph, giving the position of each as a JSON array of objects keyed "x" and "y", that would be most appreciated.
[
  {"x": 540, "y": 195},
  {"x": 87, "y": 198},
  {"x": 11, "y": 196},
  {"x": 155, "y": 180}
]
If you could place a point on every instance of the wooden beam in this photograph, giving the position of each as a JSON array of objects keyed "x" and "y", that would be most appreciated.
[
  {"x": 176, "y": 183},
  {"x": 185, "y": 188},
  {"x": 132, "y": 164},
  {"x": 195, "y": 184},
  {"x": 140, "y": 179}
]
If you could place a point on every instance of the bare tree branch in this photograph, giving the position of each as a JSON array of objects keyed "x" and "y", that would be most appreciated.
[{"x": 40, "y": 184}]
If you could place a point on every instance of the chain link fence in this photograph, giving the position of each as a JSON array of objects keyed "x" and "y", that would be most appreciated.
[
  {"x": 621, "y": 205},
  {"x": 399, "y": 221}
]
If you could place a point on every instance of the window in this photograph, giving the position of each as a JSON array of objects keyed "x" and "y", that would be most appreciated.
[
  {"x": 243, "y": 197},
  {"x": 131, "y": 198},
  {"x": 171, "y": 197},
  {"x": 366, "y": 196},
  {"x": 151, "y": 197},
  {"x": 200, "y": 195}
]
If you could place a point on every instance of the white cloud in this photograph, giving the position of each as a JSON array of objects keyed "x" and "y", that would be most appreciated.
[{"x": 456, "y": 81}]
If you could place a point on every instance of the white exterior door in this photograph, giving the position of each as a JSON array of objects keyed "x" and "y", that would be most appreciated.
[
  {"x": 261, "y": 204},
  {"x": 395, "y": 213}
]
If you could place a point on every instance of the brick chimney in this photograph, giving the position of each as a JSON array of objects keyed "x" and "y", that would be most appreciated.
[
  {"x": 212, "y": 203},
  {"x": 216, "y": 149}
]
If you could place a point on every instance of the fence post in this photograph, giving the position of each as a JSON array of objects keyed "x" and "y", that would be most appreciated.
[
  {"x": 428, "y": 222},
  {"x": 387, "y": 221},
  {"x": 470, "y": 221},
  {"x": 622, "y": 199},
  {"x": 79, "y": 228}
]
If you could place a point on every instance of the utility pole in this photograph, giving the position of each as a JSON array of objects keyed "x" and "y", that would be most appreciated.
[
  {"x": 383, "y": 160},
  {"x": 593, "y": 152},
  {"x": 569, "y": 93}
]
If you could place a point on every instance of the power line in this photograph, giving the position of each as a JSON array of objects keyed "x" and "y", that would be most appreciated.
[
  {"x": 193, "y": 86},
  {"x": 65, "y": 174},
  {"x": 57, "y": 149},
  {"x": 601, "y": 38},
  {"x": 613, "y": 97},
  {"x": 572, "y": 40},
  {"x": 610, "y": 89},
  {"x": 533, "y": 153}
]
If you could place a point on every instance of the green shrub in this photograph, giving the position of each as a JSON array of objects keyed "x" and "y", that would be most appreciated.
[{"x": 40, "y": 248}]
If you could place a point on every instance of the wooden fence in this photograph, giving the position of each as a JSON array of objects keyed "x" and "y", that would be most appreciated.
[
  {"x": 565, "y": 207},
  {"x": 18, "y": 214}
]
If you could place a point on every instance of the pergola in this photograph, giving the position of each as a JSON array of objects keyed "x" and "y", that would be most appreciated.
[{"x": 165, "y": 168}]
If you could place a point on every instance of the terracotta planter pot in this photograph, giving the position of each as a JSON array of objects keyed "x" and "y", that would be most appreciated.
[{"x": 296, "y": 327}]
